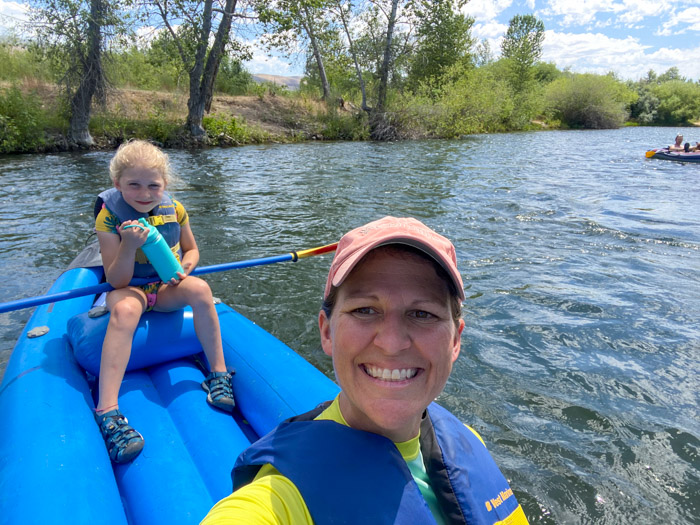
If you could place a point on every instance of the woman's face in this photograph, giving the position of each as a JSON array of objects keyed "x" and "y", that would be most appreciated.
[{"x": 393, "y": 340}]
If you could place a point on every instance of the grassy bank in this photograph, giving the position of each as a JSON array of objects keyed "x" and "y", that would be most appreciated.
[{"x": 32, "y": 119}]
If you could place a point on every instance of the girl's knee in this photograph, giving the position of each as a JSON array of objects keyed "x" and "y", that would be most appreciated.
[
  {"x": 126, "y": 312},
  {"x": 199, "y": 290}
]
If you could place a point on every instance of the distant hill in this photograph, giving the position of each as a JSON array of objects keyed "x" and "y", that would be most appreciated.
[{"x": 290, "y": 82}]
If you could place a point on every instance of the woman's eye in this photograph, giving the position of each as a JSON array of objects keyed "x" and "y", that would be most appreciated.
[
  {"x": 365, "y": 310},
  {"x": 422, "y": 314}
]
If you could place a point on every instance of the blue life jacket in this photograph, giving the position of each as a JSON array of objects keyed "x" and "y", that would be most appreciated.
[
  {"x": 351, "y": 476},
  {"x": 163, "y": 217}
]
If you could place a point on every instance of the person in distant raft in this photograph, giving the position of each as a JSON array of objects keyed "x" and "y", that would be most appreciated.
[
  {"x": 141, "y": 173},
  {"x": 382, "y": 452},
  {"x": 678, "y": 144}
]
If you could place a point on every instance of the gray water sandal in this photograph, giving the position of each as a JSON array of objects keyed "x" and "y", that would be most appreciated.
[
  {"x": 220, "y": 391},
  {"x": 123, "y": 442}
]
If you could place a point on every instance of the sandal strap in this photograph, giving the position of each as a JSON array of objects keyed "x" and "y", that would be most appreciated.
[
  {"x": 219, "y": 385},
  {"x": 117, "y": 432}
]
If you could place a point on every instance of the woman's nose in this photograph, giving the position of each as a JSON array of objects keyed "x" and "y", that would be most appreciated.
[{"x": 392, "y": 334}]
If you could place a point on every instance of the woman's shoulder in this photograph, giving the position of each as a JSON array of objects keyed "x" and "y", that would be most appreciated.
[{"x": 270, "y": 498}]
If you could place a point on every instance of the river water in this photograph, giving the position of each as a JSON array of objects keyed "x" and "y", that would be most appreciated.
[{"x": 581, "y": 260}]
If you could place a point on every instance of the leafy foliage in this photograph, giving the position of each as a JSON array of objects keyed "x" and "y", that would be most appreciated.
[
  {"x": 666, "y": 99},
  {"x": 679, "y": 102},
  {"x": 522, "y": 46},
  {"x": 22, "y": 122},
  {"x": 443, "y": 40},
  {"x": 232, "y": 131},
  {"x": 590, "y": 101},
  {"x": 467, "y": 101}
]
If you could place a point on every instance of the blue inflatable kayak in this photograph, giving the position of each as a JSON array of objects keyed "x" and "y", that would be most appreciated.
[
  {"x": 54, "y": 466},
  {"x": 678, "y": 156}
]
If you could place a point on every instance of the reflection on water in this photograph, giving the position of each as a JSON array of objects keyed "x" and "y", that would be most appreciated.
[{"x": 580, "y": 257}]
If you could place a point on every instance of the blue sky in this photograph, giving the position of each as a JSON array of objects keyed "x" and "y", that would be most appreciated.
[{"x": 628, "y": 37}]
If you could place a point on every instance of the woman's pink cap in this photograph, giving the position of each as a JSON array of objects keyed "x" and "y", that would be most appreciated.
[{"x": 354, "y": 245}]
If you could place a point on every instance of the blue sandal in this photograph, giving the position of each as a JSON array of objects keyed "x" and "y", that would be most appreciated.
[
  {"x": 218, "y": 385},
  {"x": 123, "y": 442}
]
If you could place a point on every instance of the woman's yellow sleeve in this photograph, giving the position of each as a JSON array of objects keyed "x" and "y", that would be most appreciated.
[{"x": 270, "y": 499}]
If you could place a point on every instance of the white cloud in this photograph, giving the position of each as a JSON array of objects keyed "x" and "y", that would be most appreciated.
[
  {"x": 489, "y": 30},
  {"x": 486, "y": 10},
  {"x": 264, "y": 63},
  {"x": 580, "y": 12},
  {"x": 638, "y": 10},
  {"x": 687, "y": 16},
  {"x": 627, "y": 57},
  {"x": 13, "y": 9},
  {"x": 11, "y": 15}
]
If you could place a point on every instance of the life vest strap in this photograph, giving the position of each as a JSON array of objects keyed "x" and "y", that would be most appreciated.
[{"x": 159, "y": 220}]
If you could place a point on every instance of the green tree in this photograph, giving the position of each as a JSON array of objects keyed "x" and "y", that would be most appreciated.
[
  {"x": 522, "y": 46},
  {"x": 343, "y": 11},
  {"x": 233, "y": 79},
  {"x": 468, "y": 100},
  {"x": 546, "y": 72},
  {"x": 200, "y": 23},
  {"x": 679, "y": 102},
  {"x": 22, "y": 121},
  {"x": 289, "y": 22},
  {"x": 589, "y": 101},
  {"x": 443, "y": 39},
  {"x": 73, "y": 33},
  {"x": 671, "y": 74}
]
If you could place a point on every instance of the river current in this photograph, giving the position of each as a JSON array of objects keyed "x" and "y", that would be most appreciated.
[{"x": 581, "y": 262}]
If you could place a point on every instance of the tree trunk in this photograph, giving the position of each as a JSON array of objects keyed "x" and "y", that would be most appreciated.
[
  {"x": 197, "y": 100},
  {"x": 386, "y": 63},
  {"x": 91, "y": 81},
  {"x": 358, "y": 70},
  {"x": 216, "y": 53},
  {"x": 308, "y": 27},
  {"x": 380, "y": 127}
]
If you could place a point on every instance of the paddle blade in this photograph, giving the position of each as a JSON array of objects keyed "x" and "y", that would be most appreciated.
[{"x": 651, "y": 153}]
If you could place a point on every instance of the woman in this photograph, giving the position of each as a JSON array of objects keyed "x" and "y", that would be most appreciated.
[{"x": 382, "y": 451}]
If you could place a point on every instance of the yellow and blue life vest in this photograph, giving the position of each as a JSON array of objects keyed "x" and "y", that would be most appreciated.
[
  {"x": 351, "y": 476},
  {"x": 163, "y": 217}
]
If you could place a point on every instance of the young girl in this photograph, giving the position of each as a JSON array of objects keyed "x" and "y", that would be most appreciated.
[{"x": 141, "y": 173}]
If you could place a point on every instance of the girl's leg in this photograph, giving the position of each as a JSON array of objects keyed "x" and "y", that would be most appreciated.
[
  {"x": 126, "y": 306},
  {"x": 196, "y": 293}
]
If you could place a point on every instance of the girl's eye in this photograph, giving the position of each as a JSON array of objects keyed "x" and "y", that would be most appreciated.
[{"x": 154, "y": 186}]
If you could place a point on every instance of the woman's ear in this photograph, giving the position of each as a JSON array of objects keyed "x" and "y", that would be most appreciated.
[
  {"x": 324, "y": 327},
  {"x": 457, "y": 343}
]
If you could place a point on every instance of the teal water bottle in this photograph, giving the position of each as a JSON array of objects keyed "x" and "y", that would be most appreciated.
[{"x": 159, "y": 253}]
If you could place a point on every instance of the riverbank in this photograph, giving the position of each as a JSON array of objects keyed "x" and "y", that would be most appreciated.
[
  {"x": 265, "y": 117},
  {"x": 35, "y": 121}
]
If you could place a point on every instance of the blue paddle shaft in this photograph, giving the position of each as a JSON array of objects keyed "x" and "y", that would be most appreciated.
[{"x": 106, "y": 287}]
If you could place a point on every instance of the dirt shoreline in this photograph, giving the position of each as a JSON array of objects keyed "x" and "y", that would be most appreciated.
[{"x": 273, "y": 117}]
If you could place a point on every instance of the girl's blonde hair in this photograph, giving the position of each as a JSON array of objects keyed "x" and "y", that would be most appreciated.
[{"x": 143, "y": 154}]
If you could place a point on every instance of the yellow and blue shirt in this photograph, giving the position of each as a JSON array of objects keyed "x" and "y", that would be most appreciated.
[{"x": 272, "y": 498}]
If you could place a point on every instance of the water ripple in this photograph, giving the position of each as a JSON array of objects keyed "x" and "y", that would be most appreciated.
[{"x": 580, "y": 355}]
